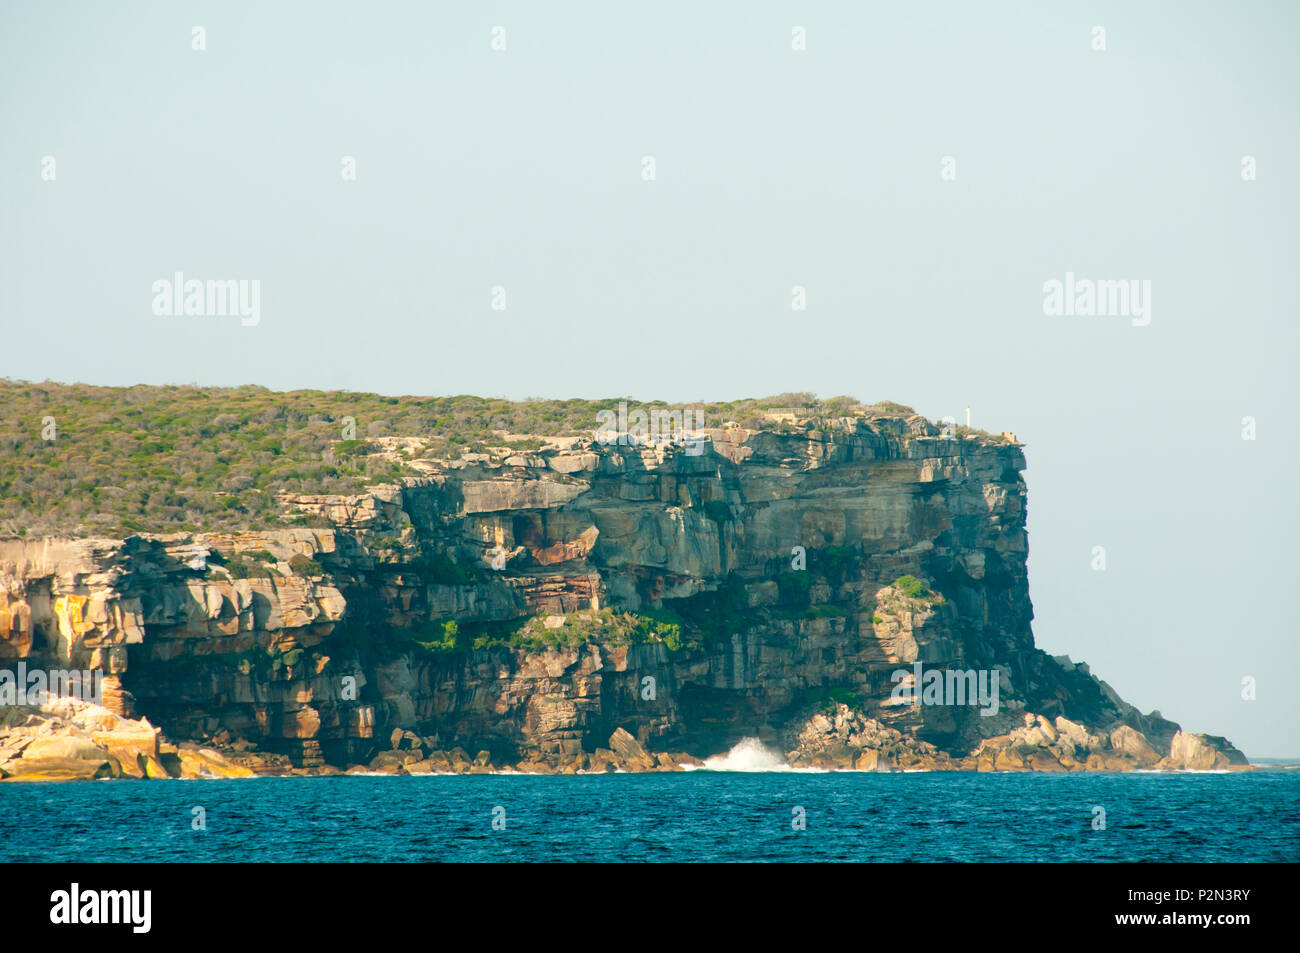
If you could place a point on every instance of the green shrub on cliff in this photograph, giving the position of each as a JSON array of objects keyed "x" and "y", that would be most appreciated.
[
  {"x": 910, "y": 586},
  {"x": 540, "y": 633},
  {"x": 238, "y": 565},
  {"x": 827, "y": 699},
  {"x": 827, "y": 611},
  {"x": 446, "y": 637},
  {"x": 441, "y": 569},
  {"x": 713, "y": 616},
  {"x": 794, "y": 587},
  {"x": 661, "y": 625},
  {"x": 353, "y": 448},
  {"x": 305, "y": 566},
  {"x": 835, "y": 562}
]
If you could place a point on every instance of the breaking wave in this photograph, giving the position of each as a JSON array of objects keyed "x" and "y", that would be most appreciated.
[{"x": 749, "y": 754}]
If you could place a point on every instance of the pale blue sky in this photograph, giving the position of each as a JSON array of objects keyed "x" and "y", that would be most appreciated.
[{"x": 522, "y": 168}]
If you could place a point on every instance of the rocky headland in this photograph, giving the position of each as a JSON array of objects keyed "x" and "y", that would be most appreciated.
[{"x": 582, "y": 606}]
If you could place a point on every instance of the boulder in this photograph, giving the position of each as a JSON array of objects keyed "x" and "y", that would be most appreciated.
[
  {"x": 1193, "y": 752},
  {"x": 629, "y": 751},
  {"x": 1042, "y": 761},
  {"x": 1127, "y": 741},
  {"x": 58, "y": 769},
  {"x": 868, "y": 761},
  {"x": 206, "y": 763},
  {"x": 387, "y": 758},
  {"x": 66, "y": 747},
  {"x": 1008, "y": 760}
]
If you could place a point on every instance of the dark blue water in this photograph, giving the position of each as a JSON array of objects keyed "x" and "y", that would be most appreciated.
[{"x": 694, "y": 816}]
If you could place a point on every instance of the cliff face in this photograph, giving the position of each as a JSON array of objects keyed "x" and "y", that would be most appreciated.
[{"x": 776, "y": 582}]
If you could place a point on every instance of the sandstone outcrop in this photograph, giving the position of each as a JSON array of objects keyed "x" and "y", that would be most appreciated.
[
  {"x": 842, "y": 738},
  {"x": 67, "y": 739},
  {"x": 583, "y": 607}
]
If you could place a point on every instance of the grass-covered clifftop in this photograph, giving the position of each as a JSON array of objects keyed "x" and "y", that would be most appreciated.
[{"x": 77, "y": 459}]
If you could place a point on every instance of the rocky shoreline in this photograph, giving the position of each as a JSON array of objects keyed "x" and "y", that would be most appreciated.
[
  {"x": 583, "y": 606},
  {"x": 69, "y": 740}
]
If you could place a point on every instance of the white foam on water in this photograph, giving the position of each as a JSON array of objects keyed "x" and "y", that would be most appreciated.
[{"x": 749, "y": 754}]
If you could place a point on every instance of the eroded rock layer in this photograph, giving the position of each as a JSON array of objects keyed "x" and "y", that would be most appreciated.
[{"x": 595, "y": 606}]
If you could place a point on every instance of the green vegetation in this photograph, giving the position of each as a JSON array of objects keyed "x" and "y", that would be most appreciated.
[
  {"x": 344, "y": 449},
  {"x": 448, "y": 640},
  {"x": 266, "y": 663},
  {"x": 794, "y": 587},
  {"x": 835, "y": 562},
  {"x": 911, "y": 587},
  {"x": 177, "y": 458},
  {"x": 714, "y": 616},
  {"x": 604, "y": 626},
  {"x": 305, "y": 566},
  {"x": 441, "y": 569},
  {"x": 828, "y": 698},
  {"x": 240, "y": 565},
  {"x": 826, "y": 611}
]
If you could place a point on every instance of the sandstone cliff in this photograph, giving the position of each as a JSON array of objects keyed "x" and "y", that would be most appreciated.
[{"x": 585, "y": 606}]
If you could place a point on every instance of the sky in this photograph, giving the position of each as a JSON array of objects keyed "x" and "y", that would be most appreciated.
[{"x": 920, "y": 170}]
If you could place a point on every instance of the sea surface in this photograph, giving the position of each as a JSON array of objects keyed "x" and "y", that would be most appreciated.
[{"x": 701, "y": 815}]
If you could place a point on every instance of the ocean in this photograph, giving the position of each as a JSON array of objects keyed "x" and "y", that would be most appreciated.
[{"x": 702, "y": 815}]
